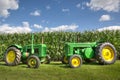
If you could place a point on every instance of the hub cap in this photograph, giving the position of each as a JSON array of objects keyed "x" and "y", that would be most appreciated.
[
  {"x": 32, "y": 62},
  {"x": 108, "y": 53},
  {"x": 75, "y": 61},
  {"x": 11, "y": 56}
]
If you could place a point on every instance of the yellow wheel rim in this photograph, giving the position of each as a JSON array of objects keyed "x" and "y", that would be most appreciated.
[
  {"x": 65, "y": 59},
  {"x": 76, "y": 62},
  {"x": 11, "y": 56},
  {"x": 108, "y": 53},
  {"x": 32, "y": 62}
]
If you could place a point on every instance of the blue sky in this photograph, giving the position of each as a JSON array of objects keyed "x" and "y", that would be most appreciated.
[{"x": 24, "y": 16}]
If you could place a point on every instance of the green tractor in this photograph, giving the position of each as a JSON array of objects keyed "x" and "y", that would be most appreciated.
[
  {"x": 32, "y": 55},
  {"x": 75, "y": 53}
]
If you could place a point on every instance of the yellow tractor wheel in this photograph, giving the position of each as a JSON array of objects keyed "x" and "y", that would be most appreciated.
[
  {"x": 33, "y": 61},
  {"x": 106, "y": 53},
  {"x": 64, "y": 59},
  {"x": 75, "y": 61},
  {"x": 12, "y": 56}
]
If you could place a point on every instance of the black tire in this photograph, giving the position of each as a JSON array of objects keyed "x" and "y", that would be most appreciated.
[
  {"x": 12, "y": 56},
  {"x": 106, "y": 53},
  {"x": 64, "y": 60},
  {"x": 33, "y": 61},
  {"x": 47, "y": 59},
  {"x": 75, "y": 61}
]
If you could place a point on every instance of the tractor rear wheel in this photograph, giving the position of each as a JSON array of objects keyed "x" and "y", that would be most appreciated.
[
  {"x": 64, "y": 59},
  {"x": 106, "y": 53},
  {"x": 33, "y": 61},
  {"x": 75, "y": 61},
  {"x": 47, "y": 59},
  {"x": 12, "y": 56}
]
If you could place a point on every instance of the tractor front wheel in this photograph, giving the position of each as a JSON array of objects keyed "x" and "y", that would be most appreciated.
[
  {"x": 75, "y": 61},
  {"x": 33, "y": 61},
  {"x": 106, "y": 53},
  {"x": 12, "y": 56}
]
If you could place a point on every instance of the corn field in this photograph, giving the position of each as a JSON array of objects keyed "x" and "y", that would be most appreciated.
[{"x": 55, "y": 40}]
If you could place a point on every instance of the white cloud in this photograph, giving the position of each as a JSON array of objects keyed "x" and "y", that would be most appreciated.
[
  {"x": 61, "y": 28},
  {"x": 35, "y": 13},
  {"x": 47, "y": 30},
  {"x": 48, "y": 7},
  {"x": 109, "y": 28},
  {"x": 6, "y": 5},
  {"x": 6, "y": 28},
  {"x": 105, "y": 18},
  {"x": 45, "y": 21},
  {"x": 37, "y": 26},
  {"x": 107, "y": 5},
  {"x": 65, "y": 10},
  {"x": 78, "y": 5},
  {"x": 25, "y": 24}
]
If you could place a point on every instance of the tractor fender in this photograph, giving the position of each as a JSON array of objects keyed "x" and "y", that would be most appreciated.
[{"x": 17, "y": 46}]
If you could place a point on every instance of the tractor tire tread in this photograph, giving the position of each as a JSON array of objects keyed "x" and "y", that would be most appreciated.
[
  {"x": 17, "y": 54},
  {"x": 98, "y": 53}
]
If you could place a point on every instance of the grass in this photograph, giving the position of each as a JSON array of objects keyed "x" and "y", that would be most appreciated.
[{"x": 58, "y": 71}]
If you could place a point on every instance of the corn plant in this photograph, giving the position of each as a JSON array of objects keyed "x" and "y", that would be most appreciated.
[{"x": 55, "y": 40}]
